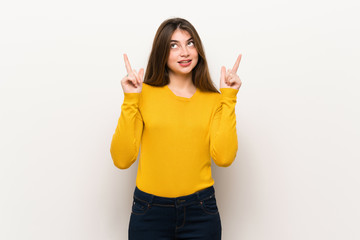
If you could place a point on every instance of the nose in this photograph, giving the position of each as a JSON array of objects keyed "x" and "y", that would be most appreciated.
[{"x": 184, "y": 51}]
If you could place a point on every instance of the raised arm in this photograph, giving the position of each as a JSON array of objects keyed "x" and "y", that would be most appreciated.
[
  {"x": 125, "y": 143},
  {"x": 127, "y": 137},
  {"x": 223, "y": 136}
]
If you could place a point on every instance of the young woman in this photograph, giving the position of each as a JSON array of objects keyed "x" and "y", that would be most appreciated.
[{"x": 181, "y": 121}]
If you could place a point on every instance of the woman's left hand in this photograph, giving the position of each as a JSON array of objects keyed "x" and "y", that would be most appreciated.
[{"x": 229, "y": 78}]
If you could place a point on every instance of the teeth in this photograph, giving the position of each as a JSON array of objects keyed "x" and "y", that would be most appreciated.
[{"x": 185, "y": 61}]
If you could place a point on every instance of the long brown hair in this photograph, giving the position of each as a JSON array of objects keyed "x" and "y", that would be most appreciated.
[{"x": 157, "y": 72}]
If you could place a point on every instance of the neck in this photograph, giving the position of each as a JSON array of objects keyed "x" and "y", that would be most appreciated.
[{"x": 181, "y": 81}]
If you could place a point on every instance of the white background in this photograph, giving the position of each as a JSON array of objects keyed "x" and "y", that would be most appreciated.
[{"x": 296, "y": 174}]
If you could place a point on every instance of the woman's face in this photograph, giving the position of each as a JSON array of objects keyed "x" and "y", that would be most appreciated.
[{"x": 183, "y": 55}]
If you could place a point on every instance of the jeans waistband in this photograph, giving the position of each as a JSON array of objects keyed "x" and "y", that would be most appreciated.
[{"x": 177, "y": 201}]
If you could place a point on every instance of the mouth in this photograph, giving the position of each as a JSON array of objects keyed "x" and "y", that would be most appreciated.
[{"x": 185, "y": 61}]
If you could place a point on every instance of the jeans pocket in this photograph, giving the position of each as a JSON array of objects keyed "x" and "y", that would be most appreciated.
[
  {"x": 209, "y": 205},
  {"x": 139, "y": 206}
]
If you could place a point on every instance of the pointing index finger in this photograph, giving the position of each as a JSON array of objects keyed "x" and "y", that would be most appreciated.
[
  {"x": 127, "y": 64},
  {"x": 237, "y": 63}
]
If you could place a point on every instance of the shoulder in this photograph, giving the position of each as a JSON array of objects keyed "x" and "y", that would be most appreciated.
[
  {"x": 210, "y": 100},
  {"x": 225, "y": 93},
  {"x": 148, "y": 88},
  {"x": 149, "y": 92},
  {"x": 211, "y": 96}
]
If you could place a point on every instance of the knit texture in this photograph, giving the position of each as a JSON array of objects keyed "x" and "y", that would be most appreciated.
[{"x": 176, "y": 137}]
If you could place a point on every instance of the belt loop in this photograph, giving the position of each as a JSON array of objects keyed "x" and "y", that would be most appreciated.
[
  {"x": 151, "y": 199},
  {"x": 198, "y": 195}
]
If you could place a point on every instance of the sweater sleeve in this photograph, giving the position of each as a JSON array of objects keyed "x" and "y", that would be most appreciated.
[
  {"x": 125, "y": 142},
  {"x": 223, "y": 136}
]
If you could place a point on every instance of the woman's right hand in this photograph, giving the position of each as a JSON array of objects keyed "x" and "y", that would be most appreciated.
[{"x": 132, "y": 82}]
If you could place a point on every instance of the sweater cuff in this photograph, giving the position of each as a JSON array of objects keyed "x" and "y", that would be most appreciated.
[
  {"x": 229, "y": 92},
  {"x": 131, "y": 98}
]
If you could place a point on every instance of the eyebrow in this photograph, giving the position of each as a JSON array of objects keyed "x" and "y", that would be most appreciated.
[{"x": 178, "y": 41}]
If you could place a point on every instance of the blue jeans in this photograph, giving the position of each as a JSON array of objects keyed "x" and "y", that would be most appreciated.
[{"x": 193, "y": 216}]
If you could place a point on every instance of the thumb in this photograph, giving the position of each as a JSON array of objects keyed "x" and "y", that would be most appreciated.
[
  {"x": 141, "y": 74},
  {"x": 223, "y": 74}
]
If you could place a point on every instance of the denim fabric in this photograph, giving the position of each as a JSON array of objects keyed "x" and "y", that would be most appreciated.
[{"x": 193, "y": 216}]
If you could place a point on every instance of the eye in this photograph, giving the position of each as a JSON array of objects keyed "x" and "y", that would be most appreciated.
[
  {"x": 191, "y": 43},
  {"x": 173, "y": 45}
]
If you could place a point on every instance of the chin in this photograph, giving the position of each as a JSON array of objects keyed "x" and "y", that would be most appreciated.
[{"x": 184, "y": 72}]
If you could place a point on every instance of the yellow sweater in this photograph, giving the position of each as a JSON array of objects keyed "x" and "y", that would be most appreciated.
[{"x": 178, "y": 136}]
